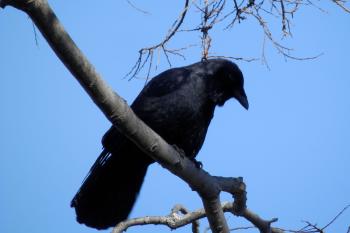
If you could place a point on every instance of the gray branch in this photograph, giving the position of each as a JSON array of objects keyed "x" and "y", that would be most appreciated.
[{"x": 174, "y": 220}]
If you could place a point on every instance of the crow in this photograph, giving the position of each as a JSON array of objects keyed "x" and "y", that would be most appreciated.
[{"x": 178, "y": 104}]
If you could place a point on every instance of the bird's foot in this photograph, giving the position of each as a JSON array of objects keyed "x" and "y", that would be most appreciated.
[{"x": 197, "y": 163}]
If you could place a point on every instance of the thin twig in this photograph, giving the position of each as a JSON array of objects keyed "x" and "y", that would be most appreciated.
[
  {"x": 235, "y": 58},
  {"x": 35, "y": 35},
  {"x": 336, "y": 217},
  {"x": 137, "y": 8},
  {"x": 341, "y": 4},
  {"x": 214, "y": 12},
  {"x": 162, "y": 45}
]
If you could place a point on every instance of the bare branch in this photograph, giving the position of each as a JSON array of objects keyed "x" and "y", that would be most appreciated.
[
  {"x": 137, "y": 8},
  {"x": 264, "y": 226},
  {"x": 313, "y": 228},
  {"x": 162, "y": 45},
  {"x": 183, "y": 210},
  {"x": 284, "y": 20},
  {"x": 235, "y": 58},
  {"x": 341, "y": 4},
  {"x": 174, "y": 220},
  {"x": 35, "y": 35},
  {"x": 211, "y": 14},
  {"x": 178, "y": 217},
  {"x": 285, "y": 51},
  {"x": 336, "y": 217}
]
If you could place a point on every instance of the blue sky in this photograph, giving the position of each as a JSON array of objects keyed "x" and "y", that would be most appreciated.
[{"x": 292, "y": 147}]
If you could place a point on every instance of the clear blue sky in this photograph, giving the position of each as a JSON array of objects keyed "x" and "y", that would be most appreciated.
[{"x": 292, "y": 147}]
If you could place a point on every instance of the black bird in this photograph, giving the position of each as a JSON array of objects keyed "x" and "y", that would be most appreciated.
[{"x": 178, "y": 104}]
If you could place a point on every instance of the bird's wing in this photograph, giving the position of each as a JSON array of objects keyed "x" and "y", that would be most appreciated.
[{"x": 165, "y": 83}]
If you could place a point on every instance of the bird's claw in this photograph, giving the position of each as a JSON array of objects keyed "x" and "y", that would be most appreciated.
[{"x": 197, "y": 163}]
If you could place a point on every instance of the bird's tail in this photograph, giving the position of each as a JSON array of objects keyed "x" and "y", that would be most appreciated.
[{"x": 109, "y": 191}]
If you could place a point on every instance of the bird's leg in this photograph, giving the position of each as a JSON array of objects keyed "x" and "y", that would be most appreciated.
[{"x": 197, "y": 163}]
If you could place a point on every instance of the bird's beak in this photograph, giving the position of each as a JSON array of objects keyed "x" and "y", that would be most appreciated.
[{"x": 242, "y": 98}]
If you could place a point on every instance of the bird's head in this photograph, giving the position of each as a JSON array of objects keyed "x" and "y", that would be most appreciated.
[{"x": 227, "y": 82}]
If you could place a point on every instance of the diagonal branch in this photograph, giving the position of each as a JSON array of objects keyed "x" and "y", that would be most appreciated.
[
  {"x": 341, "y": 5},
  {"x": 336, "y": 217}
]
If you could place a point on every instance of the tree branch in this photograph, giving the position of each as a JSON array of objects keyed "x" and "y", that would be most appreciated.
[
  {"x": 336, "y": 217},
  {"x": 341, "y": 5},
  {"x": 149, "y": 51},
  {"x": 174, "y": 221}
]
